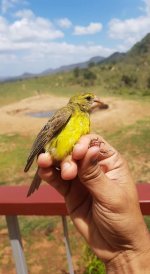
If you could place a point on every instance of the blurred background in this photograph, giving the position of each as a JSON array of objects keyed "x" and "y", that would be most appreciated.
[{"x": 50, "y": 50}]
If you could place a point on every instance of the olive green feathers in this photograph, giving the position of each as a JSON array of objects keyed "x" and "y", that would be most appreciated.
[{"x": 62, "y": 132}]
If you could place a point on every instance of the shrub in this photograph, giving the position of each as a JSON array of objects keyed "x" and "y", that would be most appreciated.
[
  {"x": 148, "y": 82},
  {"x": 76, "y": 72},
  {"x": 128, "y": 80},
  {"x": 93, "y": 264}
]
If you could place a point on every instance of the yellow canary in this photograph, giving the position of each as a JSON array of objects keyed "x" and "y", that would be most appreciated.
[{"x": 62, "y": 132}]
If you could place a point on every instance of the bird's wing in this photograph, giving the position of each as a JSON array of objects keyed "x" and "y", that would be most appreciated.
[{"x": 54, "y": 124}]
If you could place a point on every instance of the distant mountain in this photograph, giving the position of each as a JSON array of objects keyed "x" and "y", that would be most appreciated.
[
  {"x": 138, "y": 55},
  {"x": 116, "y": 56},
  {"x": 25, "y": 75},
  {"x": 66, "y": 68},
  {"x": 141, "y": 48},
  {"x": 129, "y": 71}
]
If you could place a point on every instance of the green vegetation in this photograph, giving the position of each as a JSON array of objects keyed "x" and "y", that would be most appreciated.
[
  {"x": 132, "y": 141},
  {"x": 84, "y": 77},
  {"x": 127, "y": 76},
  {"x": 147, "y": 221},
  {"x": 93, "y": 265},
  {"x": 13, "y": 152},
  {"x": 124, "y": 75},
  {"x": 37, "y": 225}
]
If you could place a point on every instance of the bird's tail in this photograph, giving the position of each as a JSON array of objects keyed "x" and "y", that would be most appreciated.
[{"x": 35, "y": 184}]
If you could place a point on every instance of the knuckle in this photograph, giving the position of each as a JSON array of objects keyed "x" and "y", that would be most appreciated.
[{"x": 93, "y": 173}]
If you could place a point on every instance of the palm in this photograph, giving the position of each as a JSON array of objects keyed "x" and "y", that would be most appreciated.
[
  {"x": 98, "y": 202},
  {"x": 94, "y": 218}
]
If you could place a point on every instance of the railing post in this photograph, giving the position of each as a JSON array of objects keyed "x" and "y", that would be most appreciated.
[
  {"x": 15, "y": 240},
  {"x": 67, "y": 245}
]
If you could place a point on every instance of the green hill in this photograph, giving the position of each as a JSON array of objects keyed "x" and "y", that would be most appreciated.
[
  {"x": 131, "y": 70},
  {"x": 141, "y": 48},
  {"x": 121, "y": 73}
]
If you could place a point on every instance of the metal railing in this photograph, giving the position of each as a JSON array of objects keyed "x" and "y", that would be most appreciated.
[{"x": 45, "y": 202}]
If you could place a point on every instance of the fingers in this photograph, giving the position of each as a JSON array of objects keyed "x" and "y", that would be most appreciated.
[
  {"x": 47, "y": 171},
  {"x": 69, "y": 164},
  {"x": 108, "y": 157},
  {"x": 80, "y": 149},
  {"x": 87, "y": 162},
  {"x": 68, "y": 168},
  {"x": 91, "y": 175},
  {"x": 46, "y": 174},
  {"x": 44, "y": 160}
]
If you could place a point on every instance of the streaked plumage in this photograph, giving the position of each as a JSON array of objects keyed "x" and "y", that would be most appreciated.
[{"x": 62, "y": 132}]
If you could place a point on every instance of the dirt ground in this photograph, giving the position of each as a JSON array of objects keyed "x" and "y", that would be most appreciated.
[{"x": 15, "y": 118}]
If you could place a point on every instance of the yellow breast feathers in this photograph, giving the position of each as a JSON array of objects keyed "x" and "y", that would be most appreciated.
[{"x": 63, "y": 143}]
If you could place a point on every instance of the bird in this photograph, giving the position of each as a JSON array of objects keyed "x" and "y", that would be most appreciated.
[{"x": 62, "y": 132}]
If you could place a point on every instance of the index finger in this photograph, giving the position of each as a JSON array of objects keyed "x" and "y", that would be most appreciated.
[
  {"x": 81, "y": 148},
  {"x": 44, "y": 160}
]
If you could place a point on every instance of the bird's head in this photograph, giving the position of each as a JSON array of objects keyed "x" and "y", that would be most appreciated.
[{"x": 85, "y": 101}]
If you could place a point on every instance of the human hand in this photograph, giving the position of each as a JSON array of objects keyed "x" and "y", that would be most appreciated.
[{"x": 101, "y": 199}]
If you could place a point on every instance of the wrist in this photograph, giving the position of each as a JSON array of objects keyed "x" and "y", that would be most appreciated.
[{"x": 132, "y": 262}]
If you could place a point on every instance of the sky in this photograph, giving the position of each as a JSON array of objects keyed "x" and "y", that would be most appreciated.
[{"x": 40, "y": 34}]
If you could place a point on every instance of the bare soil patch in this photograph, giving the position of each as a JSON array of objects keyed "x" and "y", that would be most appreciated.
[
  {"x": 14, "y": 118},
  {"x": 48, "y": 255}
]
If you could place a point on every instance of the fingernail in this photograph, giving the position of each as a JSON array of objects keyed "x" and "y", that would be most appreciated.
[
  {"x": 47, "y": 154},
  {"x": 66, "y": 165},
  {"x": 78, "y": 147},
  {"x": 95, "y": 149}
]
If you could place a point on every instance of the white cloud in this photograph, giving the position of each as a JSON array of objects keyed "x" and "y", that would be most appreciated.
[
  {"x": 64, "y": 23},
  {"x": 92, "y": 28},
  {"x": 35, "y": 57},
  {"x": 131, "y": 30},
  {"x": 146, "y": 6},
  {"x": 8, "y": 4},
  {"x": 34, "y": 29},
  {"x": 3, "y": 25},
  {"x": 7, "y": 58},
  {"x": 25, "y": 29},
  {"x": 28, "y": 43},
  {"x": 25, "y": 13}
]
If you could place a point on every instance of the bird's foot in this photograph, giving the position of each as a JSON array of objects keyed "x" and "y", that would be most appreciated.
[{"x": 95, "y": 142}]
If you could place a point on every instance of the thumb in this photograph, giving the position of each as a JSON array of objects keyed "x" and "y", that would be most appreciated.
[{"x": 92, "y": 176}]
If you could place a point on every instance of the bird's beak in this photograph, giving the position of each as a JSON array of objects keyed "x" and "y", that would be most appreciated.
[
  {"x": 97, "y": 103},
  {"x": 97, "y": 100}
]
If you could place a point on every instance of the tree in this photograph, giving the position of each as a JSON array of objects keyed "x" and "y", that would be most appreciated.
[
  {"x": 76, "y": 72},
  {"x": 128, "y": 80},
  {"x": 148, "y": 82}
]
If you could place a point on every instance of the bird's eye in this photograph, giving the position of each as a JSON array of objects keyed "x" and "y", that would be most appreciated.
[{"x": 88, "y": 98}]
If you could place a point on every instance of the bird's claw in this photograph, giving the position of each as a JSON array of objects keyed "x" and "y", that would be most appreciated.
[{"x": 95, "y": 142}]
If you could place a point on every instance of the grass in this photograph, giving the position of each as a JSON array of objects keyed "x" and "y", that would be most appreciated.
[
  {"x": 37, "y": 225},
  {"x": 65, "y": 84},
  {"x": 55, "y": 84},
  {"x": 147, "y": 221},
  {"x": 132, "y": 141},
  {"x": 13, "y": 152},
  {"x": 93, "y": 265}
]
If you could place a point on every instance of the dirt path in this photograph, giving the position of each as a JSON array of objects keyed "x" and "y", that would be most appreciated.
[{"x": 15, "y": 118}]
